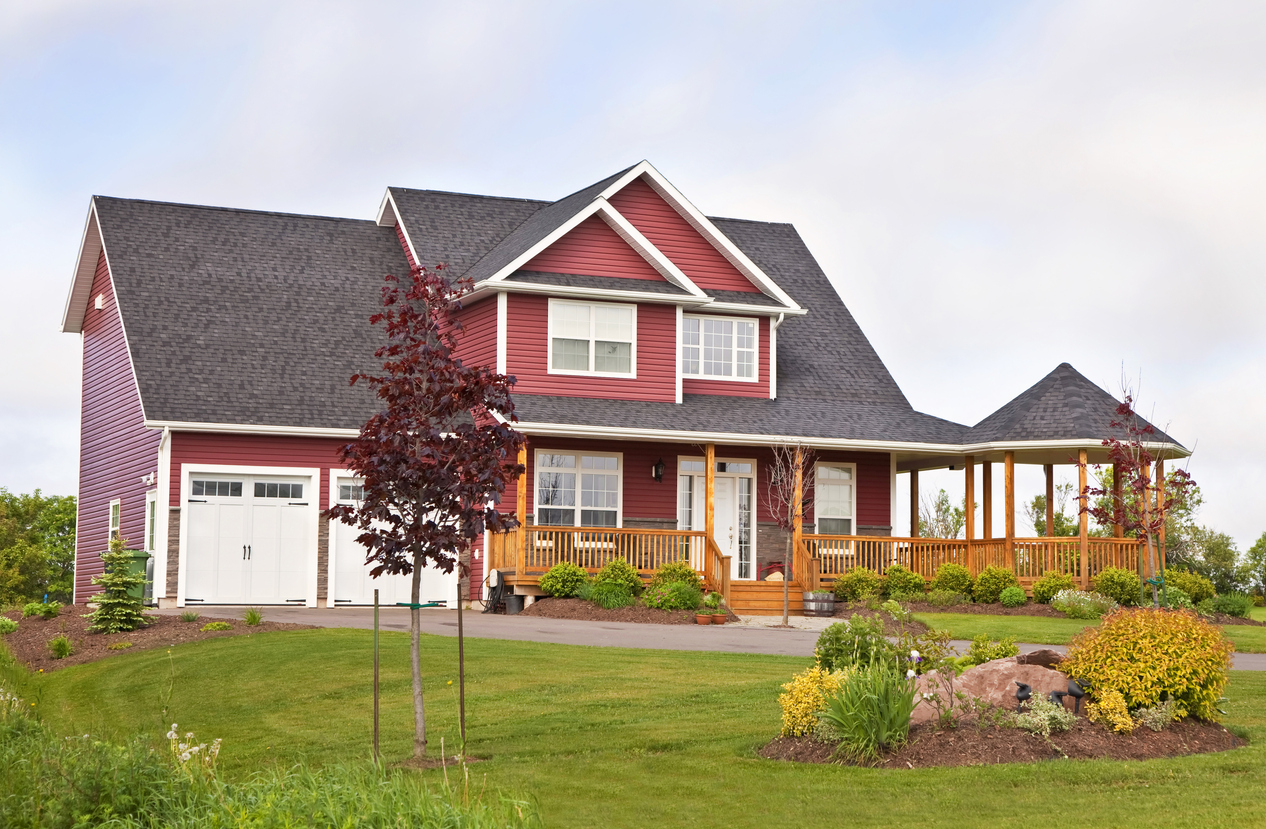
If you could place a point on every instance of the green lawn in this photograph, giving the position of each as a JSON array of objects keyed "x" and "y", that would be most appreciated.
[
  {"x": 610, "y": 737},
  {"x": 1259, "y": 613},
  {"x": 1047, "y": 631}
]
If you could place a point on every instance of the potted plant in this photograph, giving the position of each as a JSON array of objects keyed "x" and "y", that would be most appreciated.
[
  {"x": 718, "y": 615},
  {"x": 712, "y": 607},
  {"x": 703, "y": 616}
]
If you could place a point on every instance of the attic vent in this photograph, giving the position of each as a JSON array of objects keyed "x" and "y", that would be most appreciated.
[{"x": 99, "y": 302}]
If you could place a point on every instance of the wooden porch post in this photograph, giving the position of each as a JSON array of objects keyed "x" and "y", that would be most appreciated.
[
  {"x": 986, "y": 483},
  {"x": 1008, "y": 486},
  {"x": 914, "y": 503},
  {"x": 520, "y": 511},
  {"x": 1083, "y": 520},
  {"x": 1117, "y": 530},
  {"x": 1050, "y": 499},
  {"x": 1160, "y": 508},
  {"x": 797, "y": 519},
  {"x": 969, "y": 478},
  {"x": 709, "y": 489}
]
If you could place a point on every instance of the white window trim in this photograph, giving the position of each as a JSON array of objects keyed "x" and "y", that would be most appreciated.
[
  {"x": 839, "y": 464},
  {"x": 151, "y": 521},
  {"x": 577, "y": 454},
  {"x": 701, "y": 376},
  {"x": 549, "y": 342},
  {"x": 112, "y": 529}
]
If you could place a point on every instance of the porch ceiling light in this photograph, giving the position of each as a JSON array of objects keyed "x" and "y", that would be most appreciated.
[{"x": 657, "y": 471}]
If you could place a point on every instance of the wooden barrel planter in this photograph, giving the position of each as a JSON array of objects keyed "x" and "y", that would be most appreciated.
[{"x": 819, "y": 603}]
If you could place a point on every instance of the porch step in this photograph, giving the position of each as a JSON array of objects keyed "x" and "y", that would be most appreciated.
[{"x": 764, "y": 598}]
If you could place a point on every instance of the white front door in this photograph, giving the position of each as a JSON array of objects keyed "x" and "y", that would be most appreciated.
[{"x": 733, "y": 527}]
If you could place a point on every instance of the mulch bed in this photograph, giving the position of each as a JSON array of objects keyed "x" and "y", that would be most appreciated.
[
  {"x": 581, "y": 610},
  {"x": 29, "y": 643},
  {"x": 969, "y": 745}
]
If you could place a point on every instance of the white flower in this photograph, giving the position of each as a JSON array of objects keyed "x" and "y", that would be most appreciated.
[
  {"x": 914, "y": 654},
  {"x": 910, "y": 674}
]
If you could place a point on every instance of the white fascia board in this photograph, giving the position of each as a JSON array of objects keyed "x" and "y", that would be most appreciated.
[
  {"x": 755, "y": 310},
  {"x": 79, "y": 295},
  {"x": 703, "y": 225},
  {"x": 404, "y": 229},
  {"x": 387, "y": 214},
  {"x": 1172, "y": 449},
  {"x": 248, "y": 429},
  {"x": 486, "y": 287},
  {"x": 502, "y": 333}
]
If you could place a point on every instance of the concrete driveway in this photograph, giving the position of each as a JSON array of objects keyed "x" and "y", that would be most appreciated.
[{"x": 753, "y": 636}]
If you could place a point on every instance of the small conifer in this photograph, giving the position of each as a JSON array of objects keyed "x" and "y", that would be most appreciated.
[{"x": 119, "y": 606}]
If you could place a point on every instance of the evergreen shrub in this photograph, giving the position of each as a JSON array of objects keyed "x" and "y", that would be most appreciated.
[
  {"x": 619, "y": 571},
  {"x": 991, "y": 582},
  {"x": 953, "y": 577},
  {"x": 901, "y": 582},
  {"x": 563, "y": 580},
  {"x": 1013, "y": 597},
  {"x": 1051, "y": 582},
  {"x": 1196, "y": 586},
  {"x": 676, "y": 571},
  {"x": 858, "y": 584},
  {"x": 119, "y": 606},
  {"x": 1122, "y": 586}
]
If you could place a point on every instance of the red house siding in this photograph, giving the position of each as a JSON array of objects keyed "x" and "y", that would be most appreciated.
[
  {"x": 678, "y": 240},
  {"x": 115, "y": 448},
  {"x": 593, "y": 248},
  {"x": 527, "y": 354},
  {"x": 477, "y": 342},
  {"x": 737, "y": 388},
  {"x": 408, "y": 254}
]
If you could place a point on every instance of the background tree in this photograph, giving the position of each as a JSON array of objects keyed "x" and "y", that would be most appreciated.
[
  {"x": 437, "y": 458},
  {"x": 1255, "y": 567},
  {"x": 791, "y": 464},
  {"x": 37, "y": 547},
  {"x": 1065, "y": 525},
  {"x": 938, "y": 518}
]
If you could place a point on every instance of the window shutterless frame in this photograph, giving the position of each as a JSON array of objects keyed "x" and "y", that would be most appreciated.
[
  {"x": 116, "y": 519},
  {"x": 835, "y": 498},
  {"x": 604, "y": 319},
  {"x": 151, "y": 521},
  {"x": 569, "y": 487},
  {"x": 711, "y": 346}
]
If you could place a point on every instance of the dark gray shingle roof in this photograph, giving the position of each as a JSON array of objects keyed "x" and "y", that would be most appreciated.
[{"x": 1063, "y": 405}]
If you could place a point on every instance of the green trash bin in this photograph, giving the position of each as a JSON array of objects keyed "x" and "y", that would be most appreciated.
[{"x": 139, "y": 564}]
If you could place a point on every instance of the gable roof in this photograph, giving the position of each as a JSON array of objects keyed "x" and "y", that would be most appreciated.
[{"x": 1063, "y": 405}]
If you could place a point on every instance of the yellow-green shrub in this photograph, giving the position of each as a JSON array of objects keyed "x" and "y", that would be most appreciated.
[
  {"x": 858, "y": 583},
  {"x": 1148, "y": 654},
  {"x": 806, "y": 695},
  {"x": 1121, "y": 586},
  {"x": 1196, "y": 586},
  {"x": 1051, "y": 582},
  {"x": 1111, "y": 711},
  {"x": 676, "y": 571},
  {"x": 953, "y": 577},
  {"x": 991, "y": 582}
]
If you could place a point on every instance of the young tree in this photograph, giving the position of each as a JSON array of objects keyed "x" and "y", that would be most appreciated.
[
  {"x": 1137, "y": 509},
  {"x": 1255, "y": 566},
  {"x": 119, "y": 605},
  {"x": 787, "y": 492},
  {"x": 940, "y": 518},
  {"x": 437, "y": 458}
]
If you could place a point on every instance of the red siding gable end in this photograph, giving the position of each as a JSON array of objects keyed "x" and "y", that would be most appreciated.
[{"x": 592, "y": 248}]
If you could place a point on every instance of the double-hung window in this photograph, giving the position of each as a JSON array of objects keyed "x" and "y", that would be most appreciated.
[
  {"x": 116, "y": 518},
  {"x": 835, "y": 499},
  {"x": 577, "y": 490},
  {"x": 718, "y": 348},
  {"x": 592, "y": 338}
]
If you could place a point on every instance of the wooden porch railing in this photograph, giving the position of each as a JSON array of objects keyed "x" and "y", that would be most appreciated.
[
  {"x": 716, "y": 571},
  {"x": 806, "y": 569},
  {"x": 536, "y": 549}
]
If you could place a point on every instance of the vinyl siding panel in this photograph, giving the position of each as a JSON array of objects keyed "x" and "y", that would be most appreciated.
[
  {"x": 594, "y": 249},
  {"x": 477, "y": 342},
  {"x": 736, "y": 388},
  {"x": 115, "y": 448},
  {"x": 527, "y": 352},
  {"x": 404, "y": 245},
  {"x": 678, "y": 240}
]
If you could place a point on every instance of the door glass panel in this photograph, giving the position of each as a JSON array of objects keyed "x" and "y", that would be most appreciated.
[
  {"x": 745, "y": 528},
  {"x": 685, "y": 502}
]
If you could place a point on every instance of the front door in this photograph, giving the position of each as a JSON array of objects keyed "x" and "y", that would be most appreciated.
[{"x": 733, "y": 502}]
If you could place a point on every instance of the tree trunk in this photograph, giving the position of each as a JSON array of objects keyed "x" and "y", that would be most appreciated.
[
  {"x": 415, "y": 659},
  {"x": 786, "y": 583},
  {"x": 1151, "y": 565}
]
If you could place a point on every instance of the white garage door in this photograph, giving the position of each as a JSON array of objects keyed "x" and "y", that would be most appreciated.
[
  {"x": 352, "y": 583},
  {"x": 249, "y": 539}
]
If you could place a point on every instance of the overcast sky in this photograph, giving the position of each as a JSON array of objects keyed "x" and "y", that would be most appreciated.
[{"x": 994, "y": 188}]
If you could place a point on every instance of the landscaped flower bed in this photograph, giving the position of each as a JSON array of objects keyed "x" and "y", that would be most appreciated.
[{"x": 674, "y": 596}]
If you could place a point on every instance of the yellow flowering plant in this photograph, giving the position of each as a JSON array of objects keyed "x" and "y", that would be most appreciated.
[{"x": 805, "y": 696}]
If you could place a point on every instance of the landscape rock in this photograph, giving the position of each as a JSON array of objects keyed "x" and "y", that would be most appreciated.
[
  {"x": 993, "y": 682},
  {"x": 1045, "y": 657}
]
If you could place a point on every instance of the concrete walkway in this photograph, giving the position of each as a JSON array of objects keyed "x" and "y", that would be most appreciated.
[{"x": 753, "y": 635}]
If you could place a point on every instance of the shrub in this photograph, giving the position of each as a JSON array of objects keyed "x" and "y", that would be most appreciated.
[
  {"x": 1122, "y": 586},
  {"x": 43, "y": 610},
  {"x": 677, "y": 571},
  {"x": 619, "y": 571},
  {"x": 894, "y": 609},
  {"x": 1078, "y": 604},
  {"x": 1051, "y": 582},
  {"x": 673, "y": 596},
  {"x": 1175, "y": 598},
  {"x": 217, "y": 626},
  {"x": 253, "y": 617},
  {"x": 991, "y": 582},
  {"x": 871, "y": 711},
  {"x": 982, "y": 650},
  {"x": 1193, "y": 584},
  {"x": 712, "y": 601},
  {"x": 1157, "y": 717},
  {"x": 1234, "y": 604},
  {"x": 857, "y": 641},
  {"x": 907, "y": 596},
  {"x": 1044, "y": 717},
  {"x": 119, "y": 607},
  {"x": 1013, "y": 597},
  {"x": 7, "y": 625},
  {"x": 947, "y": 598},
  {"x": 563, "y": 580},
  {"x": 858, "y": 584},
  {"x": 118, "y": 646},
  {"x": 954, "y": 578},
  {"x": 1111, "y": 710},
  {"x": 1185, "y": 659},
  {"x": 189, "y": 616},
  {"x": 804, "y": 697},
  {"x": 900, "y": 581},
  {"x": 60, "y": 646},
  {"x": 611, "y": 595}
]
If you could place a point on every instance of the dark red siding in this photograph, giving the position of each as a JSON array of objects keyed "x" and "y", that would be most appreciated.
[
  {"x": 736, "y": 388},
  {"x": 477, "y": 342},
  {"x": 408, "y": 254},
  {"x": 678, "y": 240},
  {"x": 593, "y": 248},
  {"x": 115, "y": 448},
  {"x": 527, "y": 353}
]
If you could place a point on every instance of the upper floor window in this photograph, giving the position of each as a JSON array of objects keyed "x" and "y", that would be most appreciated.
[
  {"x": 592, "y": 338},
  {"x": 560, "y": 477},
  {"x": 718, "y": 348}
]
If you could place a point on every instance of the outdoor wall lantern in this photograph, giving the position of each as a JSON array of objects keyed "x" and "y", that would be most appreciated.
[{"x": 657, "y": 471}]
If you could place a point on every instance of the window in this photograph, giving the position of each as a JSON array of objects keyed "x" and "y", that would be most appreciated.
[
  {"x": 592, "y": 338},
  {"x": 834, "y": 496},
  {"x": 560, "y": 477},
  {"x": 263, "y": 490},
  {"x": 350, "y": 492},
  {"x": 116, "y": 518},
  {"x": 151, "y": 520},
  {"x": 221, "y": 489},
  {"x": 719, "y": 348}
]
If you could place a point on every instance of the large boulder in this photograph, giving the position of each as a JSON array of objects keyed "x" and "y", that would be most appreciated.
[{"x": 993, "y": 682}]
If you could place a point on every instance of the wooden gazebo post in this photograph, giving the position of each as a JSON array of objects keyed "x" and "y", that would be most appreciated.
[
  {"x": 986, "y": 483},
  {"x": 1049, "y": 469},
  {"x": 520, "y": 512},
  {"x": 1083, "y": 520},
  {"x": 1118, "y": 531},
  {"x": 1008, "y": 500},
  {"x": 969, "y": 504},
  {"x": 914, "y": 503}
]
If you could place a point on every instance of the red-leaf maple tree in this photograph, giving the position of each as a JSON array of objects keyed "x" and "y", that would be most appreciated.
[
  {"x": 1138, "y": 505},
  {"x": 436, "y": 459}
]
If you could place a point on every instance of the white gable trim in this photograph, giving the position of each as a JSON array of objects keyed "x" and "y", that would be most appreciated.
[
  {"x": 703, "y": 226},
  {"x": 603, "y": 209},
  {"x": 90, "y": 247},
  {"x": 392, "y": 219}
]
